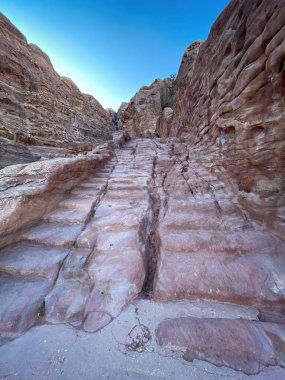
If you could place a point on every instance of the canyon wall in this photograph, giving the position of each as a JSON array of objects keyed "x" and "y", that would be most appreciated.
[
  {"x": 42, "y": 115},
  {"x": 231, "y": 104},
  {"x": 141, "y": 117}
]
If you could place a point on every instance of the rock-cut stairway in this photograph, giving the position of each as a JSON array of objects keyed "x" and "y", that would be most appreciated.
[
  {"x": 157, "y": 220},
  {"x": 86, "y": 259}
]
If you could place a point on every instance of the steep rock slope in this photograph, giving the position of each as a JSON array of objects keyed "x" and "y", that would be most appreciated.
[
  {"x": 141, "y": 116},
  {"x": 38, "y": 108},
  {"x": 231, "y": 104}
]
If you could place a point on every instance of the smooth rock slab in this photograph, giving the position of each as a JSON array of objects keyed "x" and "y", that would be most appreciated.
[
  {"x": 67, "y": 216},
  {"x": 77, "y": 203},
  {"x": 118, "y": 277},
  {"x": 66, "y": 302},
  {"x": 20, "y": 300},
  {"x": 239, "y": 344},
  {"x": 86, "y": 193},
  {"x": 24, "y": 259},
  {"x": 219, "y": 276},
  {"x": 53, "y": 234}
]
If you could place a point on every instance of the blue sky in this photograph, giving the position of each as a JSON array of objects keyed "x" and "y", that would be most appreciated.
[{"x": 110, "y": 48}]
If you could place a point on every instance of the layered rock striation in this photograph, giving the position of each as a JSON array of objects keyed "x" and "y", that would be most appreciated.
[
  {"x": 142, "y": 116},
  {"x": 231, "y": 104},
  {"x": 39, "y": 109}
]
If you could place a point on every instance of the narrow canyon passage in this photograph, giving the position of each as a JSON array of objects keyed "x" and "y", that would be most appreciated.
[{"x": 155, "y": 221}]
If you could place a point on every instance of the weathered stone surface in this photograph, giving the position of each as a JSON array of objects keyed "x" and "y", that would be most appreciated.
[
  {"x": 107, "y": 269},
  {"x": 54, "y": 234},
  {"x": 176, "y": 218},
  {"x": 20, "y": 301},
  {"x": 66, "y": 302},
  {"x": 231, "y": 104},
  {"x": 164, "y": 123},
  {"x": 120, "y": 114},
  {"x": 30, "y": 191},
  {"x": 27, "y": 260},
  {"x": 239, "y": 344},
  {"x": 127, "y": 349},
  {"x": 139, "y": 117},
  {"x": 41, "y": 109},
  {"x": 206, "y": 246},
  {"x": 187, "y": 62},
  {"x": 34, "y": 264}
]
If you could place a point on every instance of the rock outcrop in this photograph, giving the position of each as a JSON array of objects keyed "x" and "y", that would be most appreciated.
[
  {"x": 187, "y": 62},
  {"x": 195, "y": 218},
  {"x": 140, "y": 117},
  {"x": 120, "y": 114},
  {"x": 28, "y": 191},
  {"x": 231, "y": 104},
  {"x": 252, "y": 347},
  {"x": 38, "y": 108}
]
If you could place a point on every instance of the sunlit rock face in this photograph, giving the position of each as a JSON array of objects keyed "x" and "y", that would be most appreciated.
[
  {"x": 141, "y": 115},
  {"x": 231, "y": 104},
  {"x": 38, "y": 108}
]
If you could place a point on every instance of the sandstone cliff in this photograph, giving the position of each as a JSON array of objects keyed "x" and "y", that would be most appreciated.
[
  {"x": 39, "y": 109},
  {"x": 231, "y": 104},
  {"x": 140, "y": 117}
]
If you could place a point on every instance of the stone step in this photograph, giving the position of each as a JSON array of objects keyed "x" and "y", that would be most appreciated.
[
  {"x": 240, "y": 242},
  {"x": 67, "y": 216},
  {"x": 243, "y": 345},
  {"x": 91, "y": 182},
  {"x": 99, "y": 176},
  {"x": 223, "y": 277},
  {"x": 53, "y": 234},
  {"x": 96, "y": 180},
  {"x": 20, "y": 300},
  {"x": 28, "y": 260},
  {"x": 208, "y": 221},
  {"x": 130, "y": 195},
  {"x": 78, "y": 203},
  {"x": 92, "y": 185},
  {"x": 202, "y": 205},
  {"x": 86, "y": 193}
]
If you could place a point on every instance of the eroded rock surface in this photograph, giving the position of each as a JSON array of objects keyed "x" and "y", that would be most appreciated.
[
  {"x": 93, "y": 245},
  {"x": 39, "y": 109},
  {"x": 199, "y": 215},
  {"x": 155, "y": 221},
  {"x": 140, "y": 116},
  {"x": 231, "y": 104},
  {"x": 239, "y": 344},
  {"x": 206, "y": 237},
  {"x": 29, "y": 191}
]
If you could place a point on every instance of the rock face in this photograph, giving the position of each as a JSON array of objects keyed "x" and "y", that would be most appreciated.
[
  {"x": 231, "y": 104},
  {"x": 206, "y": 246},
  {"x": 85, "y": 260},
  {"x": 28, "y": 191},
  {"x": 252, "y": 346},
  {"x": 140, "y": 117},
  {"x": 38, "y": 108},
  {"x": 193, "y": 218},
  {"x": 120, "y": 115},
  {"x": 150, "y": 112},
  {"x": 187, "y": 62}
]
